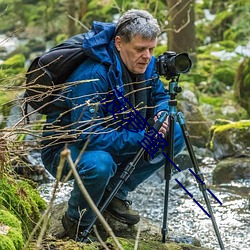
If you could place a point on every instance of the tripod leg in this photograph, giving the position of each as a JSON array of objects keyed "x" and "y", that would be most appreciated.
[
  {"x": 199, "y": 176},
  {"x": 168, "y": 174},
  {"x": 125, "y": 175}
]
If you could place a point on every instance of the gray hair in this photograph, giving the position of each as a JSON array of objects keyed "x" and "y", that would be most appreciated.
[{"x": 137, "y": 22}]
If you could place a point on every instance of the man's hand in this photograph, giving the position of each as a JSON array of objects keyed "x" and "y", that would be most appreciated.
[{"x": 165, "y": 126}]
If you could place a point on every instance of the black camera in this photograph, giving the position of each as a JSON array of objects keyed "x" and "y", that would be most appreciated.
[{"x": 170, "y": 64}]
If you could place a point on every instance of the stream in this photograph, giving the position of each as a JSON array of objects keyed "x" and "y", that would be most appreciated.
[{"x": 185, "y": 218}]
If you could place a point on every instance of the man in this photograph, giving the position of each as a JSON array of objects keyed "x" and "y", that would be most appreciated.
[{"x": 121, "y": 69}]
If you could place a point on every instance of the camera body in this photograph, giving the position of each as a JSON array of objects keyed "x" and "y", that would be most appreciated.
[{"x": 171, "y": 65}]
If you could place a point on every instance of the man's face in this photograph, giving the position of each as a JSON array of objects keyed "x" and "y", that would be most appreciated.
[{"x": 137, "y": 53}]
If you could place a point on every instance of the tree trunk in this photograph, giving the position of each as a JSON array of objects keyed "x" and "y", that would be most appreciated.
[
  {"x": 71, "y": 6},
  {"x": 83, "y": 7},
  {"x": 181, "y": 27}
]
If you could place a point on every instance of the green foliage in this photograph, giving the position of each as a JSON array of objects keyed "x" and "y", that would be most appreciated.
[
  {"x": 242, "y": 84},
  {"x": 219, "y": 102},
  {"x": 12, "y": 67},
  {"x": 216, "y": 67},
  {"x": 17, "y": 61},
  {"x": 224, "y": 75},
  {"x": 214, "y": 101},
  {"x": 221, "y": 23},
  {"x": 229, "y": 23}
]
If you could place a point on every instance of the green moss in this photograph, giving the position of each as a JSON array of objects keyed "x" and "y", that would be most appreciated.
[
  {"x": 21, "y": 199},
  {"x": 225, "y": 75},
  {"x": 6, "y": 243},
  {"x": 228, "y": 45},
  {"x": 128, "y": 244},
  {"x": 219, "y": 131},
  {"x": 13, "y": 71},
  {"x": 174, "y": 246},
  {"x": 9, "y": 219},
  {"x": 212, "y": 100},
  {"x": 16, "y": 237},
  {"x": 236, "y": 125},
  {"x": 13, "y": 239},
  {"x": 16, "y": 61},
  {"x": 242, "y": 84}
]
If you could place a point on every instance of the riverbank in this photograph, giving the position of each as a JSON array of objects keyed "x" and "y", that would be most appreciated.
[{"x": 185, "y": 218}]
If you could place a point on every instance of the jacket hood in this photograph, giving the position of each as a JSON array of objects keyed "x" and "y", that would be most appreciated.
[{"x": 98, "y": 43}]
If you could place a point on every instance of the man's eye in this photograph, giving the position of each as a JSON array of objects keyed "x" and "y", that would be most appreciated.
[{"x": 139, "y": 50}]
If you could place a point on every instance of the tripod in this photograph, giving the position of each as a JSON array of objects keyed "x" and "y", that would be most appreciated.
[{"x": 173, "y": 90}]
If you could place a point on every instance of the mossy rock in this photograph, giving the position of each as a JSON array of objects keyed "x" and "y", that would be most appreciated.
[
  {"x": 231, "y": 139},
  {"x": 150, "y": 235},
  {"x": 22, "y": 200},
  {"x": 128, "y": 244},
  {"x": 11, "y": 237}
]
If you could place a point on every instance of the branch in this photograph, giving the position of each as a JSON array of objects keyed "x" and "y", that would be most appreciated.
[{"x": 67, "y": 155}]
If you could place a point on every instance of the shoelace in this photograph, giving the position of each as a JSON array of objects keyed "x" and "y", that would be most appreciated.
[{"x": 127, "y": 203}]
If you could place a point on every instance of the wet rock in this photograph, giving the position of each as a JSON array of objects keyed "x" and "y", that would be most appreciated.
[
  {"x": 231, "y": 139},
  {"x": 231, "y": 169}
]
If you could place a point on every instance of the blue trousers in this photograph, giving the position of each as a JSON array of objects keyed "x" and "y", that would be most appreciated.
[{"x": 100, "y": 170}]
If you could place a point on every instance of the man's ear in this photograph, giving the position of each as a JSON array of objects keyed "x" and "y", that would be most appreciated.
[{"x": 118, "y": 42}]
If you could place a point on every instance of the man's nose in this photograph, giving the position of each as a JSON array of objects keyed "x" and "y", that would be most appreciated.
[{"x": 146, "y": 54}]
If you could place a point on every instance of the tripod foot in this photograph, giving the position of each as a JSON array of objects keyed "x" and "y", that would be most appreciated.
[{"x": 164, "y": 232}]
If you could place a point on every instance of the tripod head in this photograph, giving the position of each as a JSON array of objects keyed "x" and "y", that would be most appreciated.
[{"x": 174, "y": 89}]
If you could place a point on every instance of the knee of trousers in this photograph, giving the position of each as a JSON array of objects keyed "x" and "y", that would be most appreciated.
[{"x": 98, "y": 165}]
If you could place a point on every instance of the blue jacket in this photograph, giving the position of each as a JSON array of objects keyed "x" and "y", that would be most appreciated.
[{"x": 87, "y": 117}]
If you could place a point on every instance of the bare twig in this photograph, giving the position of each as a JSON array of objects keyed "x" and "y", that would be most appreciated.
[
  {"x": 99, "y": 238},
  {"x": 137, "y": 236},
  {"x": 67, "y": 155},
  {"x": 77, "y": 21},
  {"x": 46, "y": 216}
]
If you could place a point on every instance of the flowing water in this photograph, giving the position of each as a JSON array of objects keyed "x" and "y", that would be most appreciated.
[{"x": 185, "y": 217}]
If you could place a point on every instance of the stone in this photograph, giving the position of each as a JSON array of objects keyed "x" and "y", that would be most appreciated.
[
  {"x": 232, "y": 139},
  {"x": 150, "y": 234},
  {"x": 231, "y": 169}
]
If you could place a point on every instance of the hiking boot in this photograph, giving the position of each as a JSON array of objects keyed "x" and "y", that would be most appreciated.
[
  {"x": 74, "y": 231},
  {"x": 121, "y": 211}
]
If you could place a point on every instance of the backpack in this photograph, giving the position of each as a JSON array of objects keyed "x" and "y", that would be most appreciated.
[{"x": 47, "y": 74}]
